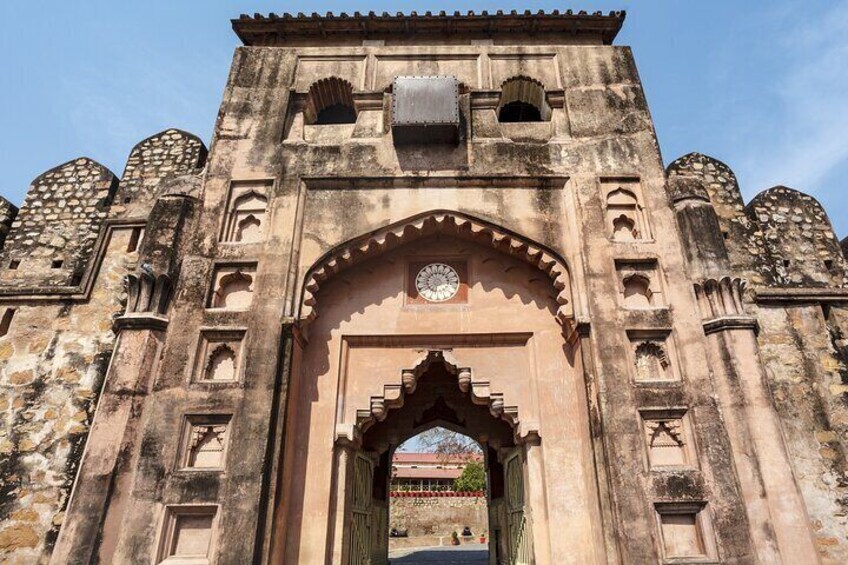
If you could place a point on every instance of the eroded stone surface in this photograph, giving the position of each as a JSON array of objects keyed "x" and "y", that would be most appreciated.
[{"x": 645, "y": 392}]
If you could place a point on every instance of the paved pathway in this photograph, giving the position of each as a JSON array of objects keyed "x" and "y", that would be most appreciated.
[{"x": 459, "y": 555}]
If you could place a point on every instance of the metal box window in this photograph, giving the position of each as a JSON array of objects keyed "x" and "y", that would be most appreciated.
[{"x": 425, "y": 109}]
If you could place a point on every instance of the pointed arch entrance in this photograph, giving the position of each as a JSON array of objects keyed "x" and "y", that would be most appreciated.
[{"x": 369, "y": 350}]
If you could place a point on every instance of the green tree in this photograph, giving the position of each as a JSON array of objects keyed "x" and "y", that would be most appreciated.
[{"x": 472, "y": 479}]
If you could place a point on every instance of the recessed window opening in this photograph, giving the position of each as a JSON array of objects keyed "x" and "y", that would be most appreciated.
[
  {"x": 56, "y": 264},
  {"x": 6, "y": 321},
  {"x": 786, "y": 263},
  {"x": 336, "y": 114},
  {"x": 135, "y": 239},
  {"x": 523, "y": 99},
  {"x": 14, "y": 264},
  {"x": 520, "y": 112},
  {"x": 330, "y": 101},
  {"x": 828, "y": 264}
]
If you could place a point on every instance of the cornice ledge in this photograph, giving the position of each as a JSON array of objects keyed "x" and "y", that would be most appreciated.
[
  {"x": 731, "y": 323},
  {"x": 765, "y": 295},
  {"x": 141, "y": 321}
]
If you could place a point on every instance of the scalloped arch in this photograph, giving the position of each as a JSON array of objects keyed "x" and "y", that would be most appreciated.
[
  {"x": 455, "y": 224},
  {"x": 327, "y": 92},
  {"x": 480, "y": 392},
  {"x": 521, "y": 88}
]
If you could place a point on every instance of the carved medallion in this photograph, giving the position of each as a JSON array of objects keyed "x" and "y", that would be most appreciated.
[{"x": 437, "y": 282}]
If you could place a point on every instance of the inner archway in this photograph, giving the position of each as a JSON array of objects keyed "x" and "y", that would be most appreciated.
[
  {"x": 438, "y": 497},
  {"x": 438, "y": 393}
]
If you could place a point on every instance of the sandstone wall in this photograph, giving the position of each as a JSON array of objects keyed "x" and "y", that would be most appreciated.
[
  {"x": 58, "y": 343},
  {"x": 439, "y": 516},
  {"x": 783, "y": 244}
]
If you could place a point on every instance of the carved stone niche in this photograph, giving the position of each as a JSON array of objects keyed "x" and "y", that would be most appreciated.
[
  {"x": 246, "y": 217},
  {"x": 624, "y": 210},
  {"x": 204, "y": 442},
  {"x": 653, "y": 356},
  {"x": 232, "y": 287},
  {"x": 639, "y": 284},
  {"x": 188, "y": 535},
  {"x": 218, "y": 356},
  {"x": 668, "y": 438},
  {"x": 686, "y": 532}
]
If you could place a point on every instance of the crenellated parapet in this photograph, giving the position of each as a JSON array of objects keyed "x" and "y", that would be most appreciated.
[
  {"x": 52, "y": 238},
  {"x": 8, "y": 211},
  {"x": 803, "y": 248},
  {"x": 731, "y": 240},
  {"x": 152, "y": 163}
]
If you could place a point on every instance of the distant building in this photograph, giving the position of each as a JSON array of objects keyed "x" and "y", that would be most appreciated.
[{"x": 426, "y": 472}]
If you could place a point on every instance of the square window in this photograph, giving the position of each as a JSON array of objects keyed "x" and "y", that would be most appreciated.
[{"x": 188, "y": 535}]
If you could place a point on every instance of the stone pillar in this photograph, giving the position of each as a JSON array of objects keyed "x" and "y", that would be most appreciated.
[
  {"x": 103, "y": 487},
  {"x": 104, "y": 480},
  {"x": 536, "y": 501},
  {"x": 772, "y": 497},
  {"x": 339, "y": 536}
]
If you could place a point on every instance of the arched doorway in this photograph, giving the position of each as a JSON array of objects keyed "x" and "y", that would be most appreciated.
[
  {"x": 366, "y": 339},
  {"x": 441, "y": 396}
]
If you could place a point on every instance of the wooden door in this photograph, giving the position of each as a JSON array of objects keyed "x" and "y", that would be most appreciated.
[
  {"x": 519, "y": 527},
  {"x": 360, "y": 519}
]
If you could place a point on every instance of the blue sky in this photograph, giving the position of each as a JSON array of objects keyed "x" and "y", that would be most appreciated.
[{"x": 761, "y": 85}]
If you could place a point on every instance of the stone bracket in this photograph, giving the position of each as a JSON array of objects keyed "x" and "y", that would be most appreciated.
[
  {"x": 731, "y": 323},
  {"x": 141, "y": 321}
]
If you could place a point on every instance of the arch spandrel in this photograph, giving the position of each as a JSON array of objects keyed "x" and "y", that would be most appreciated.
[{"x": 451, "y": 223}]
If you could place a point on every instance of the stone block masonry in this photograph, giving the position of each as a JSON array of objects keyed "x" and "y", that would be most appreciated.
[
  {"x": 656, "y": 371},
  {"x": 53, "y": 235},
  {"x": 57, "y": 338}
]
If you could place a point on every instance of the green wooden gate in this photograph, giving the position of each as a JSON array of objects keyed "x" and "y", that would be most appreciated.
[{"x": 520, "y": 533}]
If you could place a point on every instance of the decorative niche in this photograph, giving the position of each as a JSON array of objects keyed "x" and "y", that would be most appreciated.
[
  {"x": 668, "y": 439},
  {"x": 246, "y": 215},
  {"x": 639, "y": 284},
  {"x": 232, "y": 287},
  {"x": 686, "y": 532},
  {"x": 218, "y": 357},
  {"x": 204, "y": 442},
  {"x": 624, "y": 210},
  {"x": 653, "y": 356},
  {"x": 188, "y": 535}
]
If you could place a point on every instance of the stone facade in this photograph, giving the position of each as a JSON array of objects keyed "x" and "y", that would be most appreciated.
[{"x": 213, "y": 358}]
